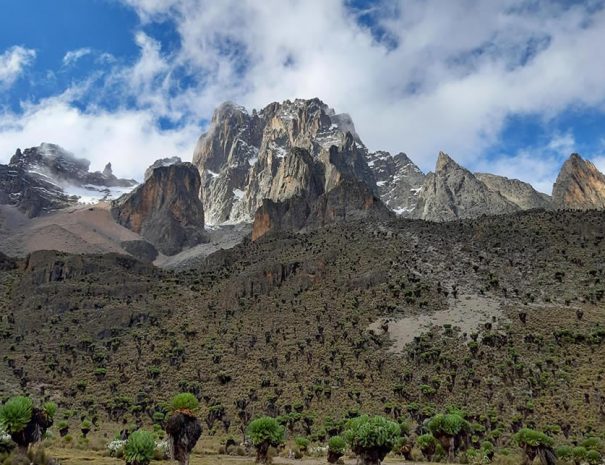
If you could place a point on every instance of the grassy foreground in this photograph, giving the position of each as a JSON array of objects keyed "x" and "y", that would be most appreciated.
[{"x": 80, "y": 457}]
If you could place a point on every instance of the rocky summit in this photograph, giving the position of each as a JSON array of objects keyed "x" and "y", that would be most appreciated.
[
  {"x": 452, "y": 192},
  {"x": 579, "y": 186},
  {"x": 47, "y": 178},
  {"x": 241, "y": 156},
  {"x": 165, "y": 209}
]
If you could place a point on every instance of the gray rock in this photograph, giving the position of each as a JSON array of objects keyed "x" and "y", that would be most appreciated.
[
  {"x": 140, "y": 249},
  {"x": 398, "y": 180},
  {"x": 453, "y": 192},
  {"x": 37, "y": 179},
  {"x": 518, "y": 192},
  {"x": 349, "y": 200},
  {"x": 580, "y": 185},
  {"x": 244, "y": 158}
]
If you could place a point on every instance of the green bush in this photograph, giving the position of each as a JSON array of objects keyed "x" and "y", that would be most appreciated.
[
  {"x": 449, "y": 424},
  {"x": 15, "y": 414},
  {"x": 593, "y": 457},
  {"x": 376, "y": 432},
  {"x": 579, "y": 453},
  {"x": 266, "y": 429},
  {"x": 592, "y": 443},
  {"x": 302, "y": 443},
  {"x": 530, "y": 437},
  {"x": 140, "y": 448},
  {"x": 184, "y": 401},
  {"x": 50, "y": 408},
  {"x": 564, "y": 452},
  {"x": 337, "y": 445},
  {"x": 425, "y": 440}
]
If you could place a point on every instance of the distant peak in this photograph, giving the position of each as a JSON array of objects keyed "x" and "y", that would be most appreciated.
[{"x": 444, "y": 160}]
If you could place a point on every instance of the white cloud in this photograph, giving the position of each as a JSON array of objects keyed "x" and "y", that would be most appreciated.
[
  {"x": 447, "y": 78},
  {"x": 539, "y": 165},
  {"x": 73, "y": 56},
  {"x": 129, "y": 139},
  {"x": 459, "y": 69},
  {"x": 12, "y": 64}
]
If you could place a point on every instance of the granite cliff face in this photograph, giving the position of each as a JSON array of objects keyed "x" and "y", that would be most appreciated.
[
  {"x": 41, "y": 179},
  {"x": 244, "y": 158},
  {"x": 452, "y": 192},
  {"x": 580, "y": 185},
  {"x": 165, "y": 209},
  {"x": 398, "y": 180},
  {"x": 350, "y": 200},
  {"x": 518, "y": 192}
]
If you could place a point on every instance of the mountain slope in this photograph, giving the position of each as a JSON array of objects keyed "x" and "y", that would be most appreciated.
[
  {"x": 315, "y": 324},
  {"x": 518, "y": 192}
]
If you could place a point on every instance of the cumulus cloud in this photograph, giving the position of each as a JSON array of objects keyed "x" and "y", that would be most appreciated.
[
  {"x": 72, "y": 56},
  {"x": 129, "y": 139},
  {"x": 417, "y": 75},
  {"x": 440, "y": 75},
  {"x": 538, "y": 164},
  {"x": 12, "y": 64}
]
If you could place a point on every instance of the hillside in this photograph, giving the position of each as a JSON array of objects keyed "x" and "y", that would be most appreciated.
[{"x": 324, "y": 324}]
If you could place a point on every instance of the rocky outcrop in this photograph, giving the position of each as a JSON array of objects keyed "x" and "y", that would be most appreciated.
[
  {"x": 160, "y": 162},
  {"x": 452, "y": 192},
  {"x": 140, "y": 249},
  {"x": 46, "y": 178},
  {"x": 63, "y": 168},
  {"x": 580, "y": 185},
  {"x": 518, "y": 192},
  {"x": 398, "y": 180},
  {"x": 244, "y": 158},
  {"x": 165, "y": 209},
  {"x": 349, "y": 200}
]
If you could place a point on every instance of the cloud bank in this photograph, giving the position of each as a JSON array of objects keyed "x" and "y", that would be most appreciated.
[{"x": 417, "y": 76}]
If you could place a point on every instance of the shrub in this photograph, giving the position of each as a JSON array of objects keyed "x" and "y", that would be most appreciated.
[
  {"x": 302, "y": 443},
  {"x": 564, "y": 452},
  {"x": 371, "y": 438},
  {"x": 336, "y": 448},
  {"x": 50, "y": 408},
  {"x": 427, "y": 445},
  {"x": 15, "y": 414},
  {"x": 337, "y": 444},
  {"x": 593, "y": 457},
  {"x": 265, "y": 432},
  {"x": 530, "y": 437},
  {"x": 140, "y": 448},
  {"x": 579, "y": 453},
  {"x": 592, "y": 443},
  {"x": 450, "y": 424},
  {"x": 184, "y": 401}
]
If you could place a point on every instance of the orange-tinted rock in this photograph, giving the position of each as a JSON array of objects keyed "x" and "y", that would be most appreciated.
[
  {"x": 165, "y": 209},
  {"x": 580, "y": 185}
]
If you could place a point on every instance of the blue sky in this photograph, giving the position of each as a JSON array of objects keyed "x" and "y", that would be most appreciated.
[{"x": 511, "y": 87}]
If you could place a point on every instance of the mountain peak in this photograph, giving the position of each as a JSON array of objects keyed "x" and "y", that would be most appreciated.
[
  {"x": 579, "y": 185},
  {"x": 444, "y": 161}
]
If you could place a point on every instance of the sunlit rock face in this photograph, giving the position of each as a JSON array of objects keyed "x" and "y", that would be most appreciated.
[{"x": 580, "y": 185}]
